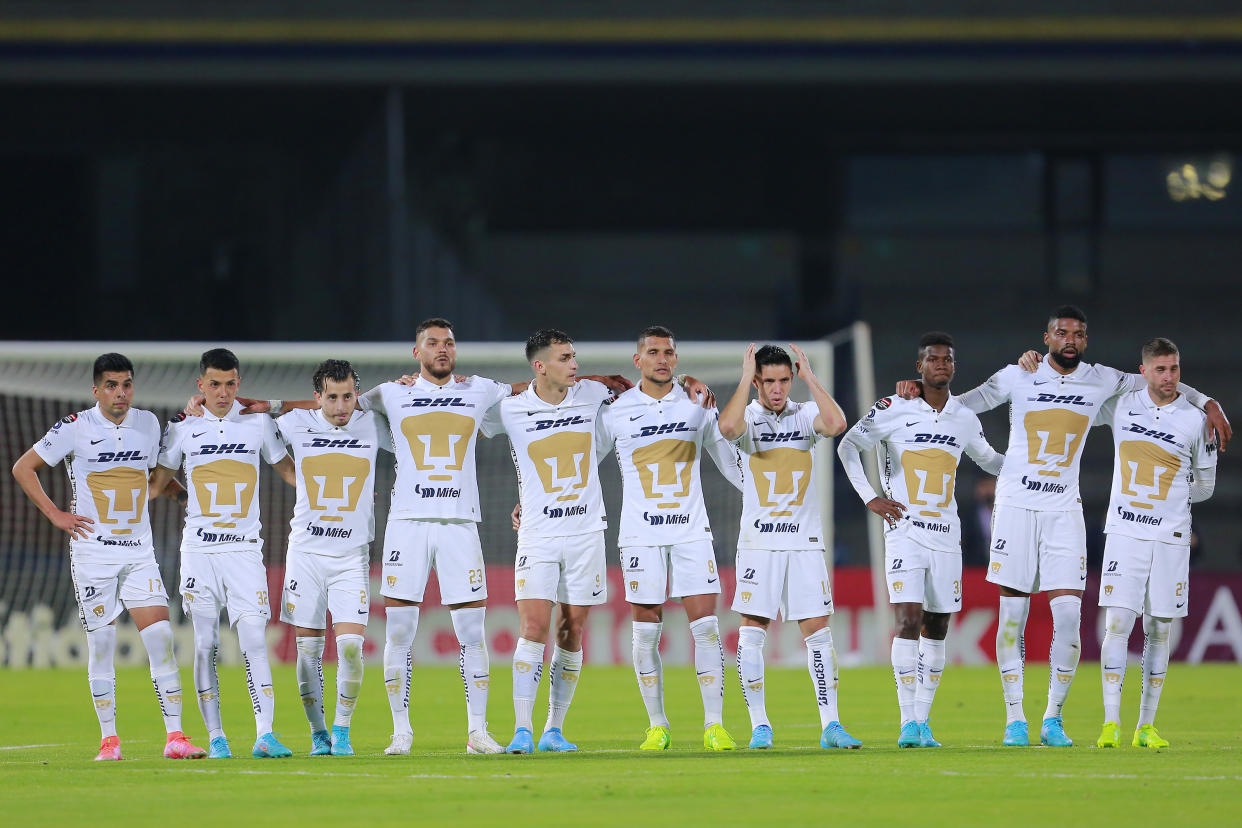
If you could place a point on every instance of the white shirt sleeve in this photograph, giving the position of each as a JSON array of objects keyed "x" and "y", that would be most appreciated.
[
  {"x": 383, "y": 437},
  {"x": 500, "y": 390},
  {"x": 1203, "y": 471},
  {"x": 57, "y": 444},
  {"x": 604, "y": 437},
  {"x": 981, "y": 451},
  {"x": 273, "y": 448},
  {"x": 492, "y": 423},
  {"x": 170, "y": 447},
  {"x": 995, "y": 391},
  {"x": 723, "y": 452},
  {"x": 863, "y": 436},
  {"x": 372, "y": 400},
  {"x": 152, "y": 425},
  {"x": 809, "y": 412},
  {"x": 284, "y": 428}
]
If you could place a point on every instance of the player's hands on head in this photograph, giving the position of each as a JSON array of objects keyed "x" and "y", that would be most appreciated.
[
  {"x": 1030, "y": 360},
  {"x": 909, "y": 389},
  {"x": 250, "y": 406},
  {"x": 76, "y": 526},
  {"x": 698, "y": 390},
  {"x": 748, "y": 363},
  {"x": 802, "y": 365},
  {"x": 1218, "y": 425},
  {"x": 516, "y": 517},
  {"x": 890, "y": 510}
]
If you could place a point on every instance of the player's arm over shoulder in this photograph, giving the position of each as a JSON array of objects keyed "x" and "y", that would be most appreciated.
[{"x": 995, "y": 390}]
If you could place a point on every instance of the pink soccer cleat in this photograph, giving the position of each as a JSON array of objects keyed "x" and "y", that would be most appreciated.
[
  {"x": 179, "y": 747},
  {"x": 109, "y": 749}
]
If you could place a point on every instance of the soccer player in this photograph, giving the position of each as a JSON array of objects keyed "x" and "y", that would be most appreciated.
[
  {"x": 334, "y": 450},
  {"x": 659, "y": 433},
  {"x": 780, "y": 550},
  {"x": 560, "y": 552},
  {"x": 1038, "y": 535},
  {"x": 221, "y": 547},
  {"x": 921, "y": 442},
  {"x": 1163, "y": 462},
  {"x": 109, "y": 451}
]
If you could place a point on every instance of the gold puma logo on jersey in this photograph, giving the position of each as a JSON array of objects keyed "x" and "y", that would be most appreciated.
[
  {"x": 665, "y": 469},
  {"x": 563, "y": 462},
  {"x": 930, "y": 476},
  {"x": 781, "y": 473},
  {"x": 120, "y": 494},
  {"x": 438, "y": 441},
  {"x": 1147, "y": 471},
  {"x": 1054, "y": 434},
  {"x": 225, "y": 489},
  {"x": 334, "y": 482}
]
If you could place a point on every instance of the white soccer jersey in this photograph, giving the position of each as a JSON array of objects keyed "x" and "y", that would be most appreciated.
[
  {"x": 433, "y": 429},
  {"x": 221, "y": 458},
  {"x": 335, "y": 509},
  {"x": 920, "y": 449},
  {"x": 108, "y": 466},
  {"x": 554, "y": 452},
  {"x": 658, "y": 443},
  {"x": 1159, "y": 450},
  {"x": 780, "y": 504}
]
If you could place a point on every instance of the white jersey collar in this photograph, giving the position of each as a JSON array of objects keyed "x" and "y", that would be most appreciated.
[
  {"x": 675, "y": 394},
  {"x": 233, "y": 415}
]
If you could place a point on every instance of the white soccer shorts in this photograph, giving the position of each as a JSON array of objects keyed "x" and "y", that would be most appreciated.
[
  {"x": 103, "y": 589},
  {"x": 232, "y": 578},
  {"x": 1037, "y": 551},
  {"x": 654, "y": 573},
  {"x": 569, "y": 570},
  {"x": 413, "y": 547},
  {"x": 1146, "y": 576},
  {"x": 793, "y": 582},
  {"x": 317, "y": 584},
  {"x": 919, "y": 575}
]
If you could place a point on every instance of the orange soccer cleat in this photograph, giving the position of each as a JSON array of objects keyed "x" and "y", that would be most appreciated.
[
  {"x": 179, "y": 747},
  {"x": 109, "y": 749}
]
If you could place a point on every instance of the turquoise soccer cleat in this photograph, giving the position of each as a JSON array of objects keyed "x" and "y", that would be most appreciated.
[
  {"x": 761, "y": 738},
  {"x": 340, "y": 742},
  {"x": 834, "y": 736},
  {"x": 523, "y": 742},
  {"x": 321, "y": 743},
  {"x": 219, "y": 749},
  {"x": 926, "y": 735},
  {"x": 1053, "y": 734},
  {"x": 553, "y": 741},
  {"x": 909, "y": 736},
  {"x": 1016, "y": 735},
  {"x": 268, "y": 746}
]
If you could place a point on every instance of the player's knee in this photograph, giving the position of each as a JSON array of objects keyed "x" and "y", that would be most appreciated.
[
  {"x": 569, "y": 633},
  {"x": 935, "y": 625},
  {"x": 1157, "y": 628},
  {"x": 1118, "y": 622},
  {"x": 468, "y": 624}
]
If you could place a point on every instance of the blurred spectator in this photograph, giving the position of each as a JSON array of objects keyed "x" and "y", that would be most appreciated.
[{"x": 977, "y": 522}]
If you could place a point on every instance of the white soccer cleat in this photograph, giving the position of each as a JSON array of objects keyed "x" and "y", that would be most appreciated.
[
  {"x": 480, "y": 741},
  {"x": 400, "y": 746}
]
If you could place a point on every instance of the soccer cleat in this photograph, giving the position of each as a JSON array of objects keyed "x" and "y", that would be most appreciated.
[
  {"x": 523, "y": 742},
  {"x": 400, "y": 744},
  {"x": 910, "y": 736},
  {"x": 761, "y": 738},
  {"x": 1016, "y": 735},
  {"x": 1146, "y": 737},
  {"x": 1053, "y": 734},
  {"x": 926, "y": 735},
  {"x": 340, "y": 741},
  {"x": 717, "y": 738},
  {"x": 553, "y": 741},
  {"x": 268, "y": 746},
  {"x": 219, "y": 748},
  {"x": 321, "y": 743},
  {"x": 480, "y": 741},
  {"x": 1110, "y": 735},
  {"x": 179, "y": 747},
  {"x": 658, "y": 738},
  {"x": 834, "y": 736},
  {"x": 110, "y": 749}
]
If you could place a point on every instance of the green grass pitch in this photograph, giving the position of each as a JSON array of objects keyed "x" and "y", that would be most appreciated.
[{"x": 49, "y": 737}]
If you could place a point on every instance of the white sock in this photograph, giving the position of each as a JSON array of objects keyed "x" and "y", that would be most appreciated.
[
  {"x": 821, "y": 661},
  {"x": 1114, "y": 656},
  {"x": 562, "y": 682},
  {"x": 101, "y": 673},
  {"x": 349, "y": 672},
  {"x": 931, "y": 666},
  {"x": 649, "y": 670},
  {"x": 527, "y": 671},
  {"x": 251, "y": 635},
  {"x": 310, "y": 679},
  {"x": 206, "y": 679},
  {"x": 1065, "y": 651},
  {"x": 750, "y": 641},
  {"x": 158, "y": 640},
  {"x": 1155, "y": 666},
  {"x": 473, "y": 664},
  {"x": 709, "y": 666},
  {"x": 399, "y": 629},
  {"x": 1011, "y": 653},
  {"x": 905, "y": 658}
]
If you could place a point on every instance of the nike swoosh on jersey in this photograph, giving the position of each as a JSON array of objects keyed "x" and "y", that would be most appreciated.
[
  {"x": 639, "y": 417},
  {"x": 1135, "y": 413},
  {"x": 1041, "y": 382},
  {"x": 916, "y": 422},
  {"x": 196, "y": 436},
  {"x": 100, "y": 440}
]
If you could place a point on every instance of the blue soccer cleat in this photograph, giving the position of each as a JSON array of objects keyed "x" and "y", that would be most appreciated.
[
  {"x": 909, "y": 736},
  {"x": 1053, "y": 734},
  {"x": 553, "y": 741},
  {"x": 321, "y": 743},
  {"x": 340, "y": 741},
  {"x": 926, "y": 735},
  {"x": 1016, "y": 735},
  {"x": 761, "y": 738},
  {"x": 219, "y": 749},
  {"x": 268, "y": 746},
  {"x": 523, "y": 742},
  {"x": 834, "y": 736}
]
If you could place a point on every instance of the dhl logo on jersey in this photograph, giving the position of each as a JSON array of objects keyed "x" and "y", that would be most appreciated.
[
  {"x": 781, "y": 437},
  {"x": 437, "y": 402},
  {"x": 544, "y": 425}
]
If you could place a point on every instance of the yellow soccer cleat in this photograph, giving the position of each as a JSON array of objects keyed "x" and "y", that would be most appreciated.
[
  {"x": 1147, "y": 737},
  {"x": 1110, "y": 736},
  {"x": 717, "y": 738},
  {"x": 658, "y": 738}
]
